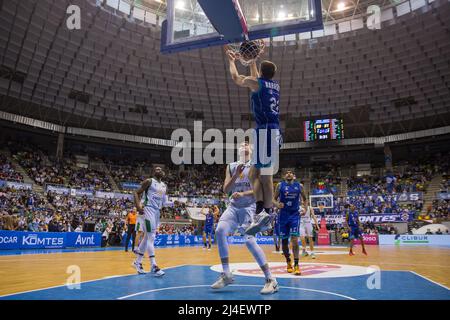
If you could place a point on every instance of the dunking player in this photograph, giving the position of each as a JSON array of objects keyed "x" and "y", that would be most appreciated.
[
  {"x": 154, "y": 192},
  {"x": 287, "y": 198},
  {"x": 353, "y": 224},
  {"x": 306, "y": 228},
  {"x": 239, "y": 215},
  {"x": 209, "y": 225},
  {"x": 265, "y": 107}
]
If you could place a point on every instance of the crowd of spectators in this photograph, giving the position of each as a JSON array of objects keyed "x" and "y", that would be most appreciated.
[
  {"x": 63, "y": 172},
  {"x": 30, "y": 211},
  {"x": 440, "y": 210},
  {"x": 187, "y": 230},
  {"x": 325, "y": 180},
  {"x": 377, "y": 204},
  {"x": 7, "y": 170},
  {"x": 90, "y": 206}
]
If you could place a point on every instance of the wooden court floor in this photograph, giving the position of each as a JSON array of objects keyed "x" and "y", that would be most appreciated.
[{"x": 20, "y": 273}]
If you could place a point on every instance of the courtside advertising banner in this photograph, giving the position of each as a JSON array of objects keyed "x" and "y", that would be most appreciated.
[
  {"x": 177, "y": 240},
  {"x": 397, "y": 197},
  {"x": 48, "y": 240},
  {"x": 374, "y": 218},
  {"x": 371, "y": 239},
  {"x": 16, "y": 185},
  {"x": 414, "y": 239},
  {"x": 443, "y": 195},
  {"x": 182, "y": 240}
]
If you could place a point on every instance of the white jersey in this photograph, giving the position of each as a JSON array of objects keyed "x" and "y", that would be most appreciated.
[
  {"x": 241, "y": 184},
  {"x": 155, "y": 197},
  {"x": 306, "y": 219}
]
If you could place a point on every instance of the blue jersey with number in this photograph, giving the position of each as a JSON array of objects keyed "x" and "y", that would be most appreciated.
[
  {"x": 209, "y": 221},
  {"x": 352, "y": 218},
  {"x": 290, "y": 196},
  {"x": 266, "y": 104}
]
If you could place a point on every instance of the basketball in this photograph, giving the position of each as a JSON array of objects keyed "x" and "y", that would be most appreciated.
[{"x": 249, "y": 50}]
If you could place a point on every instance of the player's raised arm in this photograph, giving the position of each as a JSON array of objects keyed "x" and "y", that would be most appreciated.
[
  {"x": 240, "y": 80},
  {"x": 138, "y": 194},
  {"x": 254, "y": 70}
]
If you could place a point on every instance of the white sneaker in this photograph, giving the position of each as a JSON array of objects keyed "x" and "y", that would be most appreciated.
[
  {"x": 157, "y": 272},
  {"x": 305, "y": 253},
  {"x": 138, "y": 267},
  {"x": 223, "y": 281},
  {"x": 270, "y": 287},
  {"x": 312, "y": 255},
  {"x": 262, "y": 222}
]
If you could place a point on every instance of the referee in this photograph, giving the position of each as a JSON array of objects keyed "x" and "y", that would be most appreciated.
[{"x": 131, "y": 228}]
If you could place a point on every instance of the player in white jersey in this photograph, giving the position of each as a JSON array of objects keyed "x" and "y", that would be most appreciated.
[
  {"x": 238, "y": 216},
  {"x": 153, "y": 192},
  {"x": 307, "y": 217}
]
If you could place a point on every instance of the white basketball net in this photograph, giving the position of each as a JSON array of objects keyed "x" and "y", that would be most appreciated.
[{"x": 247, "y": 52}]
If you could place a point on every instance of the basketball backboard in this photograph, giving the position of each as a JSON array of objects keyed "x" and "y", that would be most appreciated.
[{"x": 193, "y": 24}]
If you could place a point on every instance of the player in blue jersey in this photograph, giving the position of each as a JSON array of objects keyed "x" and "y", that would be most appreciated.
[
  {"x": 287, "y": 198},
  {"x": 209, "y": 226},
  {"x": 265, "y": 101},
  {"x": 353, "y": 224}
]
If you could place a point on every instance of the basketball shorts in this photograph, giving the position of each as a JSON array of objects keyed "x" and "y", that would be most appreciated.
[
  {"x": 238, "y": 218},
  {"x": 355, "y": 233},
  {"x": 151, "y": 219},
  {"x": 289, "y": 225},
  {"x": 266, "y": 145},
  {"x": 306, "y": 229},
  {"x": 140, "y": 223},
  {"x": 208, "y": 229}
]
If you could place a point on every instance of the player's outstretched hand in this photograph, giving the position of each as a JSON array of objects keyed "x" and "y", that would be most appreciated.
[{"x": 231, "y": 55}]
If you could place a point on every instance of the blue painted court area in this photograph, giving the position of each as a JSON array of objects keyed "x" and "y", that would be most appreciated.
[{"x": 193, "y": 283}]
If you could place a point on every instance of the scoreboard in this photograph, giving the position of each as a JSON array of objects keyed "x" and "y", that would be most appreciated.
[{"x": 323, "y": 129}]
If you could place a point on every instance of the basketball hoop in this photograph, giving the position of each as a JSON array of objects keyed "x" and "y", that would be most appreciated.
[
  {"x": 248, "y": 51},
  {"x": 321, "y": 207}
]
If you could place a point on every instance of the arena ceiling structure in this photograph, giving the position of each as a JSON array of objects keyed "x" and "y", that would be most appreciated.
[{"x": 111, "y": 76}]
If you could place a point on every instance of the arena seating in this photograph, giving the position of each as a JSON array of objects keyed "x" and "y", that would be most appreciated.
[{"x": 34, "y": 211}]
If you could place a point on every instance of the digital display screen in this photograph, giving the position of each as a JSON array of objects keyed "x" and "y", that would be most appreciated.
[{"x": 323, "y": 129}]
